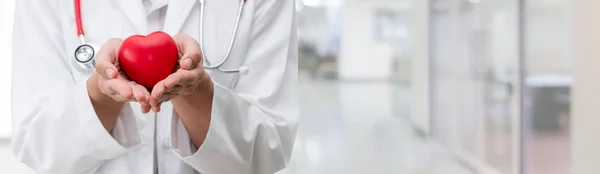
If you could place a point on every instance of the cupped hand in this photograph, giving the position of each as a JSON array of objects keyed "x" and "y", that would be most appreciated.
[
  {"x": 113, "y": 82},
  {"x": 186, "y": 79}
]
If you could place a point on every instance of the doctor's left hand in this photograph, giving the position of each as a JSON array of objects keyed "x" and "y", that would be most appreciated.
[{"x": 189, "y": 77}]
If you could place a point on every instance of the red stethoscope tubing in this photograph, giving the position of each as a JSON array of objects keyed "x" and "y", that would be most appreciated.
[{"x": 80, "y": 31}]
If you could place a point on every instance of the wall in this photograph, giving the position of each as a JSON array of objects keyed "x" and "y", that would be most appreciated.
[
  {"x": 585, "y": 139},
  {"x": 362, "y": 57},
  {"x": 549, "y": 37},
  {"x": 6, "y": 18},
  {"x": 420, "y": 68}
]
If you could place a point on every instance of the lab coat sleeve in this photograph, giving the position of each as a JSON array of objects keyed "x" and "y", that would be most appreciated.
[
  {"x": 55, "y": 127},
  {"x": 253, "y": 126}
]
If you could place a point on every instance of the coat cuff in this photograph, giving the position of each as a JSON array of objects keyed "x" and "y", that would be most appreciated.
[
  {"x": 212, "y": 156},
  {"x": 107, "y": 145}
]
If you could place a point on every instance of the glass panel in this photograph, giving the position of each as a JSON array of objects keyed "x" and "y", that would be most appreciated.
[
  {"x": 497, "y": 48},
  {"x": 475, "y": 56},
  {"x": 548, "y": 81},
  {"x": 457, "y": 93}
]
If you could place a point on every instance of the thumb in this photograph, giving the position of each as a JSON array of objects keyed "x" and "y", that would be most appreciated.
[
  {"x": 189, "y": 47},
  {"x": 107, "y": 58},
  {"x": 107, "y": 70}
]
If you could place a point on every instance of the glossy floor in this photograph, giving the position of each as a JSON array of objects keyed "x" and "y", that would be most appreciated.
[
  {"x": 362, "y": 128},
  {"x": 347, "y": 128}
]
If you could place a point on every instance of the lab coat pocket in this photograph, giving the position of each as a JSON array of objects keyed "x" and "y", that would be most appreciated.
[
  {"x": 235, "y": 61},
  {"x": 228, "y": 80}
]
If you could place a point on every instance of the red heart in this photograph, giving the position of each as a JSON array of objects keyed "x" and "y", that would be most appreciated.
[{"x": 148, "y": 59}]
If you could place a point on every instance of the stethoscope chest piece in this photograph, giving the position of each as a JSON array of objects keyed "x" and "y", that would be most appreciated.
[{"x": 85, "y": 58}]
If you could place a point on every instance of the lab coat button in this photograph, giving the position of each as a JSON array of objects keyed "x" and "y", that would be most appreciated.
[{"x": 167, "y": 144}]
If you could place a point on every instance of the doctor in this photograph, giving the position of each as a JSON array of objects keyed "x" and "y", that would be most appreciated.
[{"x": 70, "y": 121}]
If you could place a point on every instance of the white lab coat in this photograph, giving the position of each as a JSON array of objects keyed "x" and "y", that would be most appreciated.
[{"x": 55, "y": 128}]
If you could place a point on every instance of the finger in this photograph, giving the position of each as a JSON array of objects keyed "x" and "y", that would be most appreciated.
[
  {"x": 154, "y": 105},
  {"x": 142, "y": 95},
  {"x": 159, "y": 106},
  {"x": 156, "y": 108},
  {"x": 145, "y": 106},
  {"x": 118, "y": 89},
  {"x": 190, "y": 51},
  {"x": 157, "y": 91},
  {"x": 145, "y": 109},
  {"x": 124, "y": 90},
  {"x": 180, "y": 77},
  {"x": 138, "y": 94},
  {"x": 156, "y": 94},
  {"x": 146, "y": 94},
  {"x": 107, "y": 57}
]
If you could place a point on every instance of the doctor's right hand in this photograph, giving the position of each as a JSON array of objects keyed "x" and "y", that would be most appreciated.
[{"x": 112, "y": 82}]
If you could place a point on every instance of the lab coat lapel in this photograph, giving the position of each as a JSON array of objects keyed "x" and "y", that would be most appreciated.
[
  {"x": 219, "y": 23},
  {"x": 177, "y": 14},
  {"x": 134, "y": 10}
]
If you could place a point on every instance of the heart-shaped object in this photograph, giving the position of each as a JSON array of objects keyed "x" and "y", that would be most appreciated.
[{"x": 148, "y": 59}]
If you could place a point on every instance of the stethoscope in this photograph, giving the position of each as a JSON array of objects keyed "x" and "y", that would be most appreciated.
[{"x": 85, "y": 53}]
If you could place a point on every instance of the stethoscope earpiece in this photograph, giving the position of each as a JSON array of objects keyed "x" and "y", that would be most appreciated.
[{"x": 244, "y": 70}]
